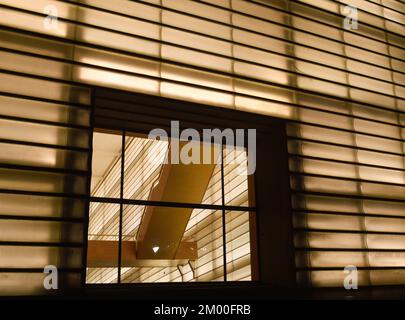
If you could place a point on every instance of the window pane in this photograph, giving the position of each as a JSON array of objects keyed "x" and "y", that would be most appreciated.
[{"x": 168, "y": 244}]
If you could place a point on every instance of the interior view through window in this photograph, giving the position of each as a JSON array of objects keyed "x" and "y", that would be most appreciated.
[{"x": 154, "y": 220}]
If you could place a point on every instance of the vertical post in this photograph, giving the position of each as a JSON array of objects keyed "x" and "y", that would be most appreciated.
[
  {"x": 223, "y": 212},
  {"x": 121, "y": 205}
]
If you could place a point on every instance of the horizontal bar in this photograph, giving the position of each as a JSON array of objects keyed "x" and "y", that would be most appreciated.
[
  {"x": 348, "y": 196},
  {"x": 356, "y": 214},
  {"x": 41, "y": 218},
  {"x": 43, "y": 145},
  {"x": 43, "y": 169},
  {"x": 45, "y": 122},
  {"x": 171, "y": 204},
  {"x": 363, "y": 232},
  {"x": 298, "y": 173},
  {"x": 344, "y": 145},
  {"x": 357, "y": 164},
  {"x": 41, "y": 244}
]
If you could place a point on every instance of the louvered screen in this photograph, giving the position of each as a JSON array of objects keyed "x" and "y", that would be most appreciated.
[{"x": 343, "y": 91}]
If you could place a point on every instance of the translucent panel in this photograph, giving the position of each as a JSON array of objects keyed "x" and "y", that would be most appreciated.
[
  {"x": 371, "y": 84},
  {"x": 27, "y": 43},
  {"x": 322, "y": 103},
  {"x": 196, "y": 58},
  {"x": 393, "y": 277},
  {"x": 319, "y": 56},
  {"x": 262, "y": 107},
  {"x": 322, "y": 86},
  {"x": 369, "y": 70},
  {"x": 316, "y": 184},
  {"x": 40, "y": 231},
  {"x": 117, "y": 61},
  {"x": 260, "y": 26},
  {"x": 316, "y": 27},
  {"x": 38, "y": 257},
  {"x": 383, "y": 191},
  {"x": 324, "y": 118},
  {"x": 382, "y": 175},
  {"x": 321, "y": 134},
  {"x": 327, "y": 168},
  {"x": 333, "y": 278},
  {"x": 324, "y": 4},
  {"x": 259, "y": 41},
  {"x": 22, "y": 283},
  {"x": 34, "y": 23},
  {"x": 261, "y": 57},
  {"x": 336, "y": 259},
  {"x": 258, "y": 10},
  {"x": 196, "y": 25},
  {"x": 43, "y": 111},
  {"x": 330, "y": 240},
  {"x": 317, "y": 42},
  {"x": 379, "y": 144},
  {"x": 189, "y": 93},
  {"x": 239, "y": 244},
  {"x": 42, "y": 157},
  {"x": 365, "y": 43},
  {"x": 321, "y": 150},
  {"x": 262, "y": 73},
  {"x": 23, "y": 131},
  {"x": 381, "y": 159},
  {"x": 33, "y": 65},
  {"x": 118, "y": 23},
  {"x": 127, "y": 7},
  {"x": 375, "y": 114},
  {"x": 367, "y": 56},
  {"x": 106, "y": 165},
  {"x": 198, "y": 9},
  {"x": 195, "y": 41},
  {"x": 384, "y": 207},
  {"x": 118, "y": 80},
  {"x": 320, "y": 72},
  {"x": 264, "y": 91},
  {"x": 64, "y": 10},
  {"x": 42, "y": 182},
  {"x": 326, "y": 203},
  {"x": 43, "y": 89},
  {"x": 23, "y": 205},
  {"x": 196, "y": 77},
  {"x": 348, "y": 222},
  {"x": 110, "y": 39},
  {"x": 330, "y": 259}
]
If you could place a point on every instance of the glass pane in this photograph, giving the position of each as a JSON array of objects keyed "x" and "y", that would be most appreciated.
[
  {"x": 240, "y": 246},
  {"x": 103, "y": 235},
  {"x": 168, "y": 244},
  {"x": 173, "y": 171},
  {"x": 106, "y": 165}
]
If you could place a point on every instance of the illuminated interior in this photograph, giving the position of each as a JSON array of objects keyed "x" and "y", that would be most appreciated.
[{"x": 166, "y": 243}]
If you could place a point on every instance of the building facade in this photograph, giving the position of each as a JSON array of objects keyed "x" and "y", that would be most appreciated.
[{"x": 330, "y": 73}]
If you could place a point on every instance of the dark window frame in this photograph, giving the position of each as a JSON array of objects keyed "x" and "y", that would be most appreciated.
[{"x": 133, "y": 112}]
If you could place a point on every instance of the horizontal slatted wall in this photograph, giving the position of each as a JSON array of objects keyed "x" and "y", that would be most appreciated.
[
  {"x": 44, "y": 144},
  {"x": 342, "y": 89}
]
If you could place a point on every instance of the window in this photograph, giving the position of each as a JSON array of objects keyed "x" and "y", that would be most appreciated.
[{"x": 154, "y": 217}]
